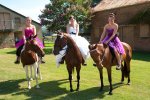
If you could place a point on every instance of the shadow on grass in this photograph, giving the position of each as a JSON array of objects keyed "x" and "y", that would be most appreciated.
[
  {"x": 52, "y": 89},
  {"x": 11, "y": 52},
  {"x": 90, "y": 93},
  {"x": 10, "y": 86},
  {"x": 47, "y": 90},
  {"x": 143, "y": 56}
]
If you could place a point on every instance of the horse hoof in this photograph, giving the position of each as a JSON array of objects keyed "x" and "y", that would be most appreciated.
[
  {"x": 94, "y": 65},
  {"x": 121, "y": 82},
  {"x": 110, "y": 93},
  {"x": 128, "y": 83},
  {"x": 118, "y": 68},
  {"x": 71, "y": 90},
  {"x": 37, "y": 86},
  {"x": 29, "y": 87},
  {"x": 84, "y": 64},
  {"x": 77, "y": 89},
  {"x": 31, "y": 79}
]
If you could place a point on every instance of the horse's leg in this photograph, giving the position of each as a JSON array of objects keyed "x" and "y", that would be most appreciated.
[
  {"x": 70, "y": 77},
  {"x": 126, "y": 70},
  {"x": 35, "y": 66},
  {"x": 78, "y": 77},
  {"x": 101, "y": 78},
  {"x": 31, "y": 76},
  {"x": 39, "y": 72},
  {"x": 110, "y": 79},
  {"x": 27, "y": 77},
  {"x": 122, "y": 72},
  {"x": 128, "y": 67}
]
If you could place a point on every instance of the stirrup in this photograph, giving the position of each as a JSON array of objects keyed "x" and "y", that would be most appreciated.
[
  {"x": 94, "y": 65},
  {"x": 42, "y": 61},
  {"x": 61, "y": 62},
  {"x": 17, "y": 62},
  {"x": 118, "y": 67},
  {"x": 84, "y": 64}
]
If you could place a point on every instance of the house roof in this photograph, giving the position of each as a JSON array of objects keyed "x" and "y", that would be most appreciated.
[
  {"x": 112, "y": 4},
  {"x": 17, "y": 13}
]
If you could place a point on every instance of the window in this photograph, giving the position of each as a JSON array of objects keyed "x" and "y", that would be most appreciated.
[
  {"x": 17, "y": 22},
  {"x": 5, "y": 21}
]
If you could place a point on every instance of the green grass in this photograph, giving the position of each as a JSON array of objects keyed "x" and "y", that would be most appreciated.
[{"x": 55, "y": 85}]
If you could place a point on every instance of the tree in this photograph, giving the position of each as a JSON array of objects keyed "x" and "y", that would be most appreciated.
[{"x": 56, "y": 14}]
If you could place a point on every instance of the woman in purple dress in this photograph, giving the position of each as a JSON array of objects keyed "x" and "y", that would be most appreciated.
[
  {"x": 110, "y": 38},
  {"x": 28, "y": 31}
]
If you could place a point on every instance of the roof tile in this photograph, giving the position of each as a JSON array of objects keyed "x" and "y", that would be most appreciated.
[{"x": 111, "y": 4}]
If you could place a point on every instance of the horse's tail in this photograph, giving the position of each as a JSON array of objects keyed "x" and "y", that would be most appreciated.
[{"x": 126, "y": 69}]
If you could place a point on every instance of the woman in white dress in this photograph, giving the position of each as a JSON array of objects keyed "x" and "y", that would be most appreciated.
[
  {"x": 73, "y": 30},
  {"x": 82, "y": 43}
]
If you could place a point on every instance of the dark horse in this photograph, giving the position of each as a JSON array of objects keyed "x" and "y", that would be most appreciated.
[
  {"x": 30, "y": 56},
  {"x": 102, "y": 56},
  {"x": 73, "y": 57}
]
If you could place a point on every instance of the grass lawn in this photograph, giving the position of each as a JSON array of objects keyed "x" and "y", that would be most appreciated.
[{"x": 55, "y": 85}]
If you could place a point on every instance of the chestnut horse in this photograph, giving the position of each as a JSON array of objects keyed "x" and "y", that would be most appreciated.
[
  {"x": 73, "y": 57},
  {"x": 30, "y": 56},
  {"x": 102, "y": 56}
]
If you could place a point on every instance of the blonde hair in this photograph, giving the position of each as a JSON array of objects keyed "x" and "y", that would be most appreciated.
[{"x": 29, "y": 18}]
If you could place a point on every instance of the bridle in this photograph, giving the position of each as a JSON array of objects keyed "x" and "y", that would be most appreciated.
[
  {"x": 63, "y": 48},
  {"x": 103, "y": 56}
]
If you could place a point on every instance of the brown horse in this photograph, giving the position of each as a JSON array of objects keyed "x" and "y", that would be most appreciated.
[
  {"x": 73, "y": 57},
  {"x": 30, "y": 56},
  {"x": 102, "y": 56}
]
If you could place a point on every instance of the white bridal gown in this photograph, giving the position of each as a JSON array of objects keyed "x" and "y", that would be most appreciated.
[{"x": 82, "y": 44}]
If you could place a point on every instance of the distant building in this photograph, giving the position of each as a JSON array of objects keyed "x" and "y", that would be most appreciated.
[
  {"x": 136, "y": 34},
  {"x": 11, "y": 24}
]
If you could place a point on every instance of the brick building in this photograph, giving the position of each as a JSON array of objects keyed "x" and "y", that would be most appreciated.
[
  {"x": 11, "y": 24},
  {"x": 135, "y": 34}
]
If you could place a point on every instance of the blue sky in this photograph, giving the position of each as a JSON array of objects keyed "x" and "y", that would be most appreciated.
[{"x": 29, "y": 8}]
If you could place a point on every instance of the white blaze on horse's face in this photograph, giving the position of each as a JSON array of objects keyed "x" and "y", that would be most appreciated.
[{"x": 61, "y": 36}]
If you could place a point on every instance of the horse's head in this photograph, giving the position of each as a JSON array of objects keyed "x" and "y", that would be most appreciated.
[
  {"x": 92, "y": 46},
  {"x": 31, "y": 44},
  {"x": 97, "y": 52},
  {"x": 60, "y": 43}
]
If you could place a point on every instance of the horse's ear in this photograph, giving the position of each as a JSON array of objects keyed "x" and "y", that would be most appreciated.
[
  {"x": 93, "y": 46},
  {"x": 90, "y": 47},
  {"x": 28, "y": 39},
  {"x": 59, "y": 32}
]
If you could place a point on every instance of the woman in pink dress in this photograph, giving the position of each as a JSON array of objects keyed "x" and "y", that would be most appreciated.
[
  {"x": 28, "y": 31},
  {"x": 110, "y": 38}
]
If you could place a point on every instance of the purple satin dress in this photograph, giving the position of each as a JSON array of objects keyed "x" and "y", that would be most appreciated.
[
  {"x": 115, "y": 43},
  {"x": 28, "y": 33}
]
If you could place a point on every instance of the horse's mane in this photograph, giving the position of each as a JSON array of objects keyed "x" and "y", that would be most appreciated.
[{"x": 72, "y": 45}]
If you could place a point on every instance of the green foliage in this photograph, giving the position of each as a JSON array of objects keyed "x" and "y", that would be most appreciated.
[{"x": 56, "y": 14}]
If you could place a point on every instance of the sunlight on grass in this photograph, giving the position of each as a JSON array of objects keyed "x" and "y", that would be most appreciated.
[{"x": 55, "y": 84}]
